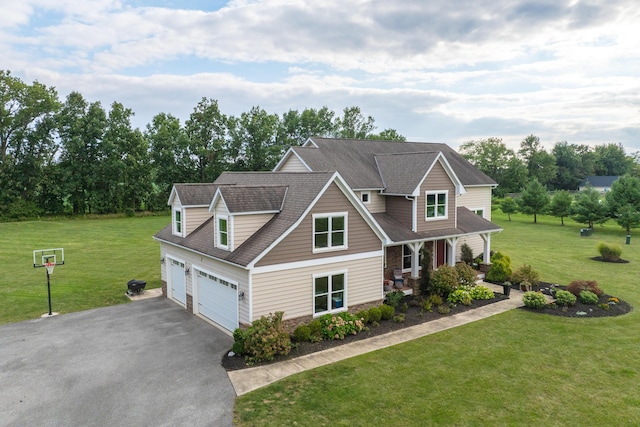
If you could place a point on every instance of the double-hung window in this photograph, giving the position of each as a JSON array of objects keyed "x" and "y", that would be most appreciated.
[
  {"x": 329, "y": 293},
  {"x": 329, "y": 232},
  {"x": 436, "y": 205},
  {"x": 223, "y": 232}
]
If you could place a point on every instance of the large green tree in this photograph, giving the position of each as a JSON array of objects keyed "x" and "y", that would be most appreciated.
[
  {"x": 588, "y": 208},
  {"x": 574, "y": 162},
  {"x": 206, "y": 130},
  {"x": 354, "y": 125},
  {"x": 540, "y": 164},
  {"x": 534, "y": 199},
  {"x": 561, "y": 205},
  {"x": 611, "y": 160},
  {"x": 254, "y": 142},
  {"x": 623, "y": 202}
]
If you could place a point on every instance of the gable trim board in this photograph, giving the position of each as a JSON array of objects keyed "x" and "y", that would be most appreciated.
[{"x": 290, "y": 152}]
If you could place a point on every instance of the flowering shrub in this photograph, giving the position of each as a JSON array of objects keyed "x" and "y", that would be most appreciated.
[
  {"x": 338, "y": 326},
  {"x": 481, "y": 292},
  {"x": 467, "y": 276},
  {"x": 535, "y": 300},
  {"x": 565, "y": 298},
  {"x": 444, "y": 280},
  {"x": 613, "y": 300},
  {"x": 266, "y": 338}
]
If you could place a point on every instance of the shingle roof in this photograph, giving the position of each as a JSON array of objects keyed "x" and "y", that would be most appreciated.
[
  {"x": 195, "y": 194},
  {"x": 598, "y": 181},
  {"x": 468, "y": 223},
  {"x": 243, "y": 199},
  {"x": 355, "y": 159},
  {"x": 302, "y": 189},
  {"x": 402, "y": 173}
]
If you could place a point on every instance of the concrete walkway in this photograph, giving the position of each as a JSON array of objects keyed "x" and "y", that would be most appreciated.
[{"x": 246, "y": 380}]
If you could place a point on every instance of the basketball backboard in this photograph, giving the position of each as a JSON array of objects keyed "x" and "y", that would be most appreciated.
[{"x": 41, "y": 257}]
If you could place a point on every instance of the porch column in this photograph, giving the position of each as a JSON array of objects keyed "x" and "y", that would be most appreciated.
[
  {"x": 486, "y": 258},
  {"x": 415, "y": 257},
  {"x": 452, "y": 250}
]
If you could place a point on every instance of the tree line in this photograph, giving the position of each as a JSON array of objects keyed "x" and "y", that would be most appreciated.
[
  {"x": 76, "y": 157},
  {"x": 562, "y": 168}
]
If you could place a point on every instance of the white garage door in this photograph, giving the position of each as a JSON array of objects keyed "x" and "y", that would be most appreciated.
[
  {"x": 218, "y": 299},
  {"x": 178, "y": 281}
]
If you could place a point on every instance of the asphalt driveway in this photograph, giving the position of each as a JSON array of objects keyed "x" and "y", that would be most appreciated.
[{"x": 147, "y": 363}]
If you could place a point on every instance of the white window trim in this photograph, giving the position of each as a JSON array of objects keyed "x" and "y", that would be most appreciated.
[
  {"x": 368, "y": 194},
  {"x": 218, "y": 242},
  {"x": 446, "y": 208},
  {"x": 174, "y": 223},
  {"x": 408, "y": 270},
  {"x": 475, "y": 211},
  {"x": 344, "y": 307},
  {"x": 330, "y": 248}
]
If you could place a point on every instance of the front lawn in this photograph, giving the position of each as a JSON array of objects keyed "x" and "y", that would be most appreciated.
[
  {"x": 517, "y": 368},
  {"x": 101, "y": 256}
]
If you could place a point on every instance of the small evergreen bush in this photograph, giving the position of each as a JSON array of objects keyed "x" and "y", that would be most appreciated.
[
  {"x": 535, "y": 300},
  {"x": 393, "y": 298},
  {"x": 302, "y": 333},
  {"x": 588, "y": 298},
  {"x": 525, "y": 273},
  {"x": 387, "y": 312},
  {"x": 375, "y": 314},
  {"x": 316, "y": 329},
  {"x": 444, "y": 309},
  {"x": 466, "y": 254},
  {"x": 239, "y": 336},
  {"x": 500, "y": 269},
  {"x": 399, "y": 318},
  {"x": 435, "y": 299},
  {"x": 565, "y": 298},
  {"x": 363, "y": 315}
]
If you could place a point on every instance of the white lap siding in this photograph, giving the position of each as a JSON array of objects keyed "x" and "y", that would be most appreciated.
[{"x": 291, "y": 289}]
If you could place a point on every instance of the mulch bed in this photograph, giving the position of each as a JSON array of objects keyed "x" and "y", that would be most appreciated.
[
  {"x": 579, "y": 309},
  {"x": 414, "y": 316},
  {"x": 616, "y": 261}
]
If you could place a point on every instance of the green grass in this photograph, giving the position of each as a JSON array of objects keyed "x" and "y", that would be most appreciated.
[
  {"x": 101, "y": 256},
  {"x": 517, "y": 368}
]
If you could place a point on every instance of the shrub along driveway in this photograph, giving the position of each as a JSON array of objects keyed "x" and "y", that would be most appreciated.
[{"x": 145, "y": 363}]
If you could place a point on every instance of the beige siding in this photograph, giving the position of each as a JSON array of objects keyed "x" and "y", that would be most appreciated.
[
  {"x": 298, "y": 245},
  {"x": 401, "y": 209},
  {"x": 194, "y": 217},
  {"x": 477, "y": 198},
  {"x": 291, "y": 291},
  {"x": 221, "y": 209},
  {"x": 475, "y": 243},
  {"x": 293, "y": 164},
  {"x": 245, "y": 225},
  {"x": 377, "y": 203},
  {"x": 191, "y": 259},
  {"x": 437, "y": 180}
]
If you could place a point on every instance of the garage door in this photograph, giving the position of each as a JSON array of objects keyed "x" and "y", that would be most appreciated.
[
  {"x": 218, "y": 299},
  {"x": 178, "y": 281}
]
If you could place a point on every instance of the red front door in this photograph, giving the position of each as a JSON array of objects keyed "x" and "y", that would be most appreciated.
[{"x": 441, "y": 253}]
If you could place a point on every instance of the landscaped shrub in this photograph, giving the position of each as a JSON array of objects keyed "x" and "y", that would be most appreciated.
[
  {"x": 578, "y": 286},
  {"x": 393, "y": 298},
  {"x": 525, "y": 273},
  {"x": 387, "y": 312},
  {"x": 467, "y": 276},
  {"x": 444, "y": 309},
  {"x": 535, "y": 300},
  {"x": 316, "y": 330},
  {"x": 266, "y": 338},
  {"x": 500, "y": 269},
  {"x": 363, "y": 315},
  {"x": 302, "y": 333},
  {"x": 466, "y": 254},
  {"x": 481, "y": 292},
  {"x": 239, "y": 336},
  {"x": 444, "y": 280},
  {"x": 565, "y": 298},
  {"x": 435, "y": 299},
  {"x": 404, "y": 307},
  {"x": 460, "y": 296},
  {"x": 425, "y": 280},
  {"x": 399, "y": 318},
  {"x": 338, "y": 326},
  {"x": 375, "y": 314},
  {"x": 426, "y": 304},
  {"x": 609, "y": 252},
  {"x": 588, "y": 297}
]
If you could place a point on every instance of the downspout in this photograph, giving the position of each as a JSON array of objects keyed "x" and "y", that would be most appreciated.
[{"x": 414, "y": 213}]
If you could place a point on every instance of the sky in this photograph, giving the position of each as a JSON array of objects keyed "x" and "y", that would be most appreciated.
[{"x": 434, "y": 70}]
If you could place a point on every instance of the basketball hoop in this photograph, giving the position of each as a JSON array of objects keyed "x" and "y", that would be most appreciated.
[{"x": 50, "y": 266}]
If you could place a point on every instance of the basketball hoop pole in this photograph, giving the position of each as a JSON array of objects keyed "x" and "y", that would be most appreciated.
[{"x": 49, "y": 290}]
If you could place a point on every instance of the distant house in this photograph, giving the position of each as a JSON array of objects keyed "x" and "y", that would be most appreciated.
[
  {"x": 323, "y": 231},
  {"x": 599, "y": 183}
]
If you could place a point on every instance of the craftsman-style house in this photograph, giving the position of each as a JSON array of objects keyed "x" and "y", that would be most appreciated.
[{"x": 323, "y": 231}]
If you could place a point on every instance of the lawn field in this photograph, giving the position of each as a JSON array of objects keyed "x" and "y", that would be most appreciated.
[
  {"x": 101, "y": 256},
  {"x": 513, "y": 369}
]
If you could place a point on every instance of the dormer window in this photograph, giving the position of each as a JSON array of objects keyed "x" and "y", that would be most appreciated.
[
  {"x": 365, "y": 196},
  {"x": 177, "y": 222},
  {"x": 436, "y": 205},
  {"x": 223, "y": 232}
]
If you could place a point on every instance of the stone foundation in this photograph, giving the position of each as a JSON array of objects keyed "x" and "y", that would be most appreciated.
[
  {"x": 164, "y": 288},
  {"x": 292, "y": 324},
  {"x": 189, "y": 303}
]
